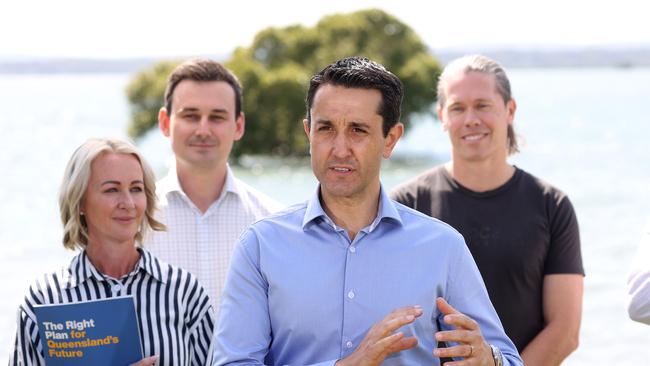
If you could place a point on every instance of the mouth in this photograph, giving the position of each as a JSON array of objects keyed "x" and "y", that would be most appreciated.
[
  {"x": 202, "y": 146},
  {"x": 474, "y": 137},
  {"x": 341, "y": 169},
  {"x": 125, "y": 220}
]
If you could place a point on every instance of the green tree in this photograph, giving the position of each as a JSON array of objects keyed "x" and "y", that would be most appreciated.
[
  {"x": 145, "y": 93},
  {"x": 276, "y": 68}
]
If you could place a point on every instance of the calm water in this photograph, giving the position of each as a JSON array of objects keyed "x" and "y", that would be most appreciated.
[{"x": 585, "y": 131}]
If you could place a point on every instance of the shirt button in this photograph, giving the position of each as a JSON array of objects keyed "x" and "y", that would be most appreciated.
[
  {"x": 351, "y": 295},
  {"x": 117, "y": 288},
  {"x": 353, "y": 249},
  {"x": 349, "y": 344}
]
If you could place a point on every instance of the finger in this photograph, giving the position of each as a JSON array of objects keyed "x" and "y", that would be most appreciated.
[
  {"x": 415, "y": 310},
  {"x": 455, "y": 317},
  {"x": 403, "y": 344},
  {"x": 459, "y": 363},
  {"x": 461, "y": 321},
  {"x": 388, "y": 327},
  {"x": 457, "y": 336},
  {"x": 444, "y": 307},
  {"x": 380, "y": 349},
  {"x": 393, "y": 321},
  {"x": 463, "y": 350},
  {"x": 149, "y": 361}
]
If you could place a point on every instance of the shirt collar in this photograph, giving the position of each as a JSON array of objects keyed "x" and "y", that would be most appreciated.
[
  {"x": 81, "y": 269},
  {"x": 386, "y": 210},
  {"x": 170, "y": 182}
]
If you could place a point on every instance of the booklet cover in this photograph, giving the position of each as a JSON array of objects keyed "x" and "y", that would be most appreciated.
[{"x": 97, "y": 332}]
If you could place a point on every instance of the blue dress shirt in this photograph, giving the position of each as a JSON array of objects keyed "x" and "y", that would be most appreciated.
[{"x": 300, "y": 292}]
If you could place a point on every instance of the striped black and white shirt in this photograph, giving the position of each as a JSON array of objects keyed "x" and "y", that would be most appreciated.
[{"x": 175, "y": 316}]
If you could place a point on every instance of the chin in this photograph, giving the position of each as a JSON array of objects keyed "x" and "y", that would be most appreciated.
[
  {"x": 337, "y": 190},
  {"x": 474, "y": 156},
  {"x": 126, "y": 236}
]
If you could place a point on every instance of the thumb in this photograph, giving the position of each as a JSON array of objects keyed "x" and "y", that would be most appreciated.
[{"x": 444, "y": 307}]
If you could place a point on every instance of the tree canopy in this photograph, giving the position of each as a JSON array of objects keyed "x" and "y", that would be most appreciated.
[{"x": 275, "y": 71}]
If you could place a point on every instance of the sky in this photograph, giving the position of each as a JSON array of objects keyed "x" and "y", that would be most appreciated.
[{"x": 166, "y": 28}]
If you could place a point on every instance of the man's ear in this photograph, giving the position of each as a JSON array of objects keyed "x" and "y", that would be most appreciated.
[
  {"x": 164, "y": 121},
  {"x": 240, "y": 126},
  {"x": 391, "y": 139},
  {"x": 439, "y": 113},
  {"x": 307, "y": 127}
]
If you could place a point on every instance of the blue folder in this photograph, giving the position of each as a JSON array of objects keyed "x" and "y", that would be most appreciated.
[{"x": 98, "y": 332}]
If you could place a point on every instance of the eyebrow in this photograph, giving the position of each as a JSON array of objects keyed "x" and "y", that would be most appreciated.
[
  {"x": 118, "y": 182},
  {"x": 360, "y": 124},
  {"x": 193, "y": 109},
  {"x": 352, "y": 124}
]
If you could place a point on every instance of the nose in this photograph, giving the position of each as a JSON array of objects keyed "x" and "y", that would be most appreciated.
[
  {"x": 126, "y": 201},
  {"x": 341, "y": 146},
  {"x": 203, "y": 128},
  {"x": 471, "y": 118}
]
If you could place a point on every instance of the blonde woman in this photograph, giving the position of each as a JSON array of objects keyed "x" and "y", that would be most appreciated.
[{"x": 107, "y": 203}]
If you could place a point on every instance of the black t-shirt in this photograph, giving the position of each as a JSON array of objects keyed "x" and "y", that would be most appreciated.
[{"x": 517, "y": 233}]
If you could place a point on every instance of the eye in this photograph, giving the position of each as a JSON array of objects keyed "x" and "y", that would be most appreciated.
[
  {"x": 456, "y": 109},
  {"x": 324, "y": 128},
  {"x": 191, "y": 117},
  {"x": 137, "y": 189},
  {"x": 217, "y": 118},
  {"x": 110, "y": 190},
  {"x": 359, "y": 130}
]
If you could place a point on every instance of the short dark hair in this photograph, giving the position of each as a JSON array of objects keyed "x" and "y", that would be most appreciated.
[
  {"x": 360, "y": 72},
  {"x": 202, "y": 70}
]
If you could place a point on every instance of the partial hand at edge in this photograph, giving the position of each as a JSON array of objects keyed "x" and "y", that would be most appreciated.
[{"x": 148, "y": 361}]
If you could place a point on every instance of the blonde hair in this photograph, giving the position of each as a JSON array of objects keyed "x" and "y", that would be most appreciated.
[
  {"x": 75, "y": 182},
  {"x": 485, "y": 65}
]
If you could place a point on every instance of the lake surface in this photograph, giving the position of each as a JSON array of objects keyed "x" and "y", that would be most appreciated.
[{"x": 584, "y": 130}]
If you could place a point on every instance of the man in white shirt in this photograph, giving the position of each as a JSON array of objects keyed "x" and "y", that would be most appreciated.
[{"x": 203, "y": 205}]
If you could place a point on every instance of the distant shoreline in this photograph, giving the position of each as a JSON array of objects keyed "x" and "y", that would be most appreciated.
[{"x": 546, "y": 58}]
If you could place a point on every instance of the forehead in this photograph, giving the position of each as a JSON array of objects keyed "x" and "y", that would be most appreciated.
[
  {"x": 462, "y": 85},
  {"x": 115, "y": 166},
  {"x": 335, "y": 102},
  {"x": 203, "y": 94}
]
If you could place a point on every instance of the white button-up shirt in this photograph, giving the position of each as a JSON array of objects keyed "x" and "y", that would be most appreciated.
[{"x": 202, "y": 243}]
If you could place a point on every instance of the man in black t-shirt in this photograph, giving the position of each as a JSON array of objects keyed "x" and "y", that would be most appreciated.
[{"x": 522, "y": 232}]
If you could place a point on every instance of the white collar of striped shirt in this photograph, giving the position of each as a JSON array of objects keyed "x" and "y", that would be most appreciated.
[
  {"x": 170, "y": 183},
  {"x": 81, "y": 269}
]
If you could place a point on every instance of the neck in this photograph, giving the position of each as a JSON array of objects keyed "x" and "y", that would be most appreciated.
[
  {"x": 112, "y": 259},
  {"x": 352, "y": 213},
  {"x": 202, "y": 186},
  {"x": 480, "y": 176}
]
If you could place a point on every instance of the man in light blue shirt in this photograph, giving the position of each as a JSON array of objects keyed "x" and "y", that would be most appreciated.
[{"x": 351, "y": 277}]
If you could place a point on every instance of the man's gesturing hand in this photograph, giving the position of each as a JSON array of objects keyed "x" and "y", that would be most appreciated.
[
  {"x": 381, "y": 339},
  {"x": 472, "y": 347}
]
